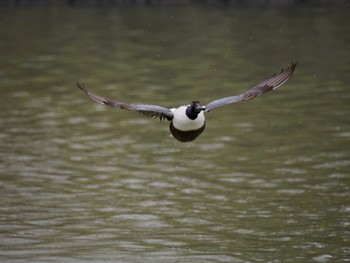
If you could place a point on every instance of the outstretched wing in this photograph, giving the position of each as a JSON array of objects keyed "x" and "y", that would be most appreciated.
[
  {"x": 153, "y": 111},
  {"x": 270, "y": 84}
]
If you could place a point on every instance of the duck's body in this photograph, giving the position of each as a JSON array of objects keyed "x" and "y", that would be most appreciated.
[{"x": 187, "y": 122}]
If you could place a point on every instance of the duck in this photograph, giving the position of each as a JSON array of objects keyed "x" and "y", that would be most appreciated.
[{"x": 187, "y": 122}]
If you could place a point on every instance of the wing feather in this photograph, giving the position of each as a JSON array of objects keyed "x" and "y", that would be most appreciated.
[
  {"x": 153, "y": 111},
  {"x": 263, "y": 87}
]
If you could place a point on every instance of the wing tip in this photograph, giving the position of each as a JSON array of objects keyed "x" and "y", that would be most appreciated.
[
  {"x": 293, "y": 66},
  {"x": 94, "y": 97},
  {"x": 290, "y": 68},
  {"x": 81, "y": 86}
]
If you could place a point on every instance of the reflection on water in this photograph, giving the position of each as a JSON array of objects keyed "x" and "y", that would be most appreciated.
[{"x": 267, "y": 181}]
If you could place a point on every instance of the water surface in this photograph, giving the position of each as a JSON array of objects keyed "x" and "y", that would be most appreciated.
[{"x": 268, "y": 181}]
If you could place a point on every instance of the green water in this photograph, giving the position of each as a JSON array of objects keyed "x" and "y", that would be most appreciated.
[{"x": 267, "y": 181}]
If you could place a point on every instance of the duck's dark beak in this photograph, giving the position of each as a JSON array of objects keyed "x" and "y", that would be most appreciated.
[{"x": 197, "y": 107}]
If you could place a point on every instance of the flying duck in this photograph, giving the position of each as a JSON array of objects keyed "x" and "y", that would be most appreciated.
[{"x": 187, "y": 122}]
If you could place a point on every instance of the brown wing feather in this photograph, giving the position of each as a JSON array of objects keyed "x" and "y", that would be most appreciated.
[
  {"x": 272, "y": 83},
  {"x": 153, "y": 111},
  {"x": 263, "y": 87}
]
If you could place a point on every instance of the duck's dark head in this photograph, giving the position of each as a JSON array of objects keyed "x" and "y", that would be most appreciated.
[{"x": 194, "y": 109}]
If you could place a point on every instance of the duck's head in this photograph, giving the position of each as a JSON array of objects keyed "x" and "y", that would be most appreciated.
[{"x": 194, "y": 109}]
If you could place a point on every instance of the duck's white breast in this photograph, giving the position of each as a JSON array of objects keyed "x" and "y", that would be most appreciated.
[{"x": 183, "y": 123}]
